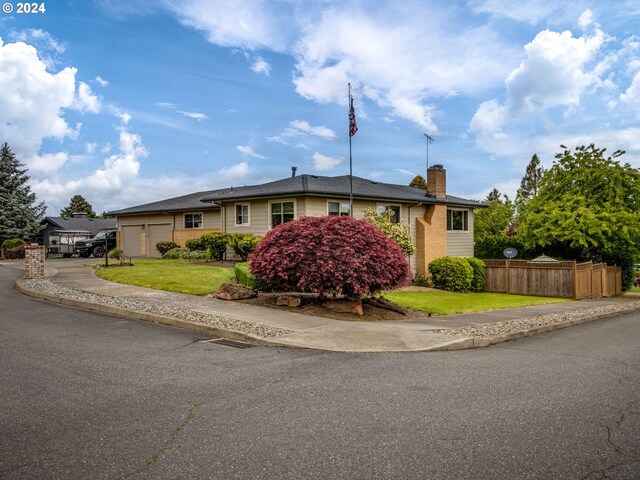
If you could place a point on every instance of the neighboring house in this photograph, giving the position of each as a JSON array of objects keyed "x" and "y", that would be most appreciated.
[
  {"x": 77, "y": 226},
  {"x": 440, "y": 224}
]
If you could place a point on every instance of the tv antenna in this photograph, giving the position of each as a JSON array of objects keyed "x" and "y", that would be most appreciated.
[{"x": 429, "y": 140}]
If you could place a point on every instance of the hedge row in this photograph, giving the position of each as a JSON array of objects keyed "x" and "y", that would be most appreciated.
[
  {"x": 458, "y": 274},
  {"x": 246, "y": 278}
]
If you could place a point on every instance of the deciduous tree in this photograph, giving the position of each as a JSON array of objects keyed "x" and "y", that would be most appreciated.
[{"x": 588, "y": 206}]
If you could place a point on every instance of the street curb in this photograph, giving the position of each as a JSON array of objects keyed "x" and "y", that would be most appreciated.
[
  {"x": 456, "y": 343},
  {"x": 149, "y": 317},
  {"x": 488, "y": 341}
]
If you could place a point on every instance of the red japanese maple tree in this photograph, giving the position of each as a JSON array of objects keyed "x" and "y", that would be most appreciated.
[{"x": 330, "y": 256}]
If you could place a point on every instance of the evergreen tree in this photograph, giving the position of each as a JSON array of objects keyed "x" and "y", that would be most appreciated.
[
  {"x": 78, "y": 204},
  {"x": 418, "y": 182},
  {"x": 20, "y": 215},
  {"x": 530, "y": 183},
  {"x": 493, "y": 195}
]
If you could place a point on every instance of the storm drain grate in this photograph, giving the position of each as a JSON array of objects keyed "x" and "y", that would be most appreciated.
[{"x": 228, "y": 343}]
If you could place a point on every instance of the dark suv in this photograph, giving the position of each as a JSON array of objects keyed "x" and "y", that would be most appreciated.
[{"x": 95, "y": 246}]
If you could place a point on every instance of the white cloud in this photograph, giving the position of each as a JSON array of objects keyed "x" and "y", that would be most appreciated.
[
  {"x": 299, "y": 128},
  {"x": 489, "y": 117},
  {"x": 49, "y": 49},
  {"x": 529, "y": 11},
  {"x": 194, "y": 115},
  {"x": 249, "y": 151},
  {"x": 560, "y": 59},
  {"x": 252, "y": 23},
  {"x": 85, "y": 100},
  {"x": 586, "y": 19},
  {"x": 166, "y": 105},
  {"x": 260, "y": 65},
  {"x": 386, "y": 51},
  {"x": 632, "y": 95},
  {"x": 91, "y": 148},
  {"x": 32, "y": 100},
  {"x": 323, "y": 162},
  {"x": 302, "y": 126},
  {"x": 556, "y": 73},
  {"x": 117, "y": 171},
  {"x": 46, "y": 164},
  {"x": 389, "y": 57},
  {"x": 101, "y": 81}
]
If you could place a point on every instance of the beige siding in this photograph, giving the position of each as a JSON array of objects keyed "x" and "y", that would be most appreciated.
[
  {"x": 145, "y": 219},
  {"x": 460, "y": 244},
  {"x": 169, "y": 226}
]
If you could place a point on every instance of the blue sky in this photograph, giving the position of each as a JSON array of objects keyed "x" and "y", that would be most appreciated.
[{"x": 127, "y": 102}]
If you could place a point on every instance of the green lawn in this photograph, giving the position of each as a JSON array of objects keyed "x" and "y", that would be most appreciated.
[
  {"x": 449, "y": 303},
  {"x": 171, "y": 275},
  {"x": 634, "y": 289}
]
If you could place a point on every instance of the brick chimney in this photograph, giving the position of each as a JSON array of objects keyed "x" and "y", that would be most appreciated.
[{"x": 437, "y": 181}]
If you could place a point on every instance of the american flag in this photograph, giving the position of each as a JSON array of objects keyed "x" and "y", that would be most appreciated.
[{"x": 353, "y": 127}]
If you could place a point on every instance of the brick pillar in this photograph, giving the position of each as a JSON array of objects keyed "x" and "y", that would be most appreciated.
[{"x": 34, "y": 261}]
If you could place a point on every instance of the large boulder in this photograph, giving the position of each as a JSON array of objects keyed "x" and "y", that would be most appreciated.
[
  {"x": 233, "y": 291},
  {"x": 345, "y": 306}
]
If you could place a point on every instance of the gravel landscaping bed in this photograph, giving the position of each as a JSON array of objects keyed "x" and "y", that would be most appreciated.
[
  {"x": 507, "y": 327},
  {"x": 46, "y": 286}
]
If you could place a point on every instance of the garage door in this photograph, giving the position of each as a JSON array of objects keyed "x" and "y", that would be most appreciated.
[
  {"x": 130, "y": 241},
  {"x": 155, "y": 234}
]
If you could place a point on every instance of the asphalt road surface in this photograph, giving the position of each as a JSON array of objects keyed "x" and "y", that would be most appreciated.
[{"x": 88, "y": 396}]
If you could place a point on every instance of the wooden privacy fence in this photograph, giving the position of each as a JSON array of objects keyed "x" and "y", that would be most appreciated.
[{"x": 566, "y": 279}]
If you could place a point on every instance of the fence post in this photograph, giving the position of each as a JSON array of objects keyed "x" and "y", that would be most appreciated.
[
  {"x": 575, "y": 280},
  {"x": 507, "y": 277}
]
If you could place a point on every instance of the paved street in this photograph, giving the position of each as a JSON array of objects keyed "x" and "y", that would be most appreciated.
[{"x": 91, "y": 396}]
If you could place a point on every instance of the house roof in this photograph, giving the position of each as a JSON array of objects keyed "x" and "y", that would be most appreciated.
[
  {"x": 335, "y": 186},
  {"x": 298, "y": 185},
  {"x": 75, "y": 224},
  {"x": 192, "y": 201}
]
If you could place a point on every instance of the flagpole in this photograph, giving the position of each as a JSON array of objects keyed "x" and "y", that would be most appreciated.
[{"x": 350, "y": 158}]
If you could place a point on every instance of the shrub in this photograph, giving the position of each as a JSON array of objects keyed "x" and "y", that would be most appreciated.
[
  {"x": 243, "y": 244},
  {"x": 164, "y": 246},
  {"x": 329, "y": 255},
  {"x": 422, "y": 281},
  {"x": 215, "y": 244},
  {"x": 479, "y": 274},
  {"x": 195, "y": 244},
  {"x": 451, "y": 273},
  {"x": 398, "y": 232},
  {"x": 244, "y": 277},
  {"x": 182, "y": 254},
  {"x": 10, "y": 244},
  {"x": 116, "y": 253},
  {"x": 15, "y": 253}
]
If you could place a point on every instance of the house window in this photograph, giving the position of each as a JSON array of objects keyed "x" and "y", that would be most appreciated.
[
  {"x": 242, "y": 214},
  {"x": 192, "y": 220},
  {"x": 338, "y": 209},
  {"x": 395, "y": 209},
  {"x": 457, "y": 220},
  {"x": 282, "y": 212}
]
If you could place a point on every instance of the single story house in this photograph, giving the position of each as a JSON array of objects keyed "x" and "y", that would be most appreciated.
[
  {"x": 440, "y": 224},
  {"x": 78, "y": 226}
]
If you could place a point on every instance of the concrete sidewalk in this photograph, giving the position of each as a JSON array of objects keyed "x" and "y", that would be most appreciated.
[{"x": 307, "y": 331}]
